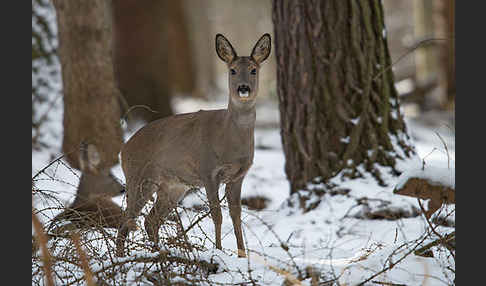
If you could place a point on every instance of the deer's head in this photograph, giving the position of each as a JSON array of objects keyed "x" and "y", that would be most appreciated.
[
  {"x": 95, "y": 181},
  {"x": 243, "y": 71}
]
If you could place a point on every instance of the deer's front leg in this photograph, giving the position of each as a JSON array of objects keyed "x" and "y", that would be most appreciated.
[
  {"x": 212, "y": 187},
  {"x": 233, "y": 192}
]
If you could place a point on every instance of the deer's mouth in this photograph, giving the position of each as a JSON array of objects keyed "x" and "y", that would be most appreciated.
[{"x": 243, "y": 91}]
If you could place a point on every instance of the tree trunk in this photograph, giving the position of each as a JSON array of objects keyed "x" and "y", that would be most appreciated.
[
  {"x": 445, "y": 23},
  {"x": 201, "y": 38},
  {"x": 140, "y": 55},
  {"x": 91, "y": 99},
  {"x": 338, "y": 106},
  {"x": 182, "y": 77}
]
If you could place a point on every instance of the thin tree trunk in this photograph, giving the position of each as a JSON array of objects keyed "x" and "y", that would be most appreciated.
[
  {"x": 338, "y": 106},
  {"x": 425, "y": 57},
  {"x": 445, "y": 28},
  {"x": 91, "y": 99}
]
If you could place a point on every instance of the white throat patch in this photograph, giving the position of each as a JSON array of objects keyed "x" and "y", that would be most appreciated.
[{"x": 244, "y": 94}]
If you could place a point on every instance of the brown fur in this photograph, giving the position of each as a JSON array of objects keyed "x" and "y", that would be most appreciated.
[
  {"x": 201, "y": 149},
  {"x": 93, "y": 206}
]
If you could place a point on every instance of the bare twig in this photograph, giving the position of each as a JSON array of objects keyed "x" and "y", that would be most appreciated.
[
  {"x": 162, "y": 256},
  {"x": 387, "y": 283},
  {"x": 84, "y": 261},
  {"x": 438, "y": 241},
  {"x": 432, "y": 228},
  {"x": 200, "y": 218},
  {"x": 124, "y": 117},
  {"x": 48, "y": 165},
  {"x": 423, "y": 159},
  {"x": 445, "y": 146},
  {"x": 417, "y": 45},
  {"x": 283, "y": 245},
  {"x": 392, "y": 264}
]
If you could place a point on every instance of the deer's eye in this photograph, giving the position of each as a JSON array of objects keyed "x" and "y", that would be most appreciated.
[
  {"x": 253, "y": 71},
  {"x": 233, "y": 71}
]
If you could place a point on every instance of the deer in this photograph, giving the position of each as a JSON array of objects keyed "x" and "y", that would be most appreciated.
[
  {"x": 202, "y": 149},
  {"x": 92, "y": 206}
]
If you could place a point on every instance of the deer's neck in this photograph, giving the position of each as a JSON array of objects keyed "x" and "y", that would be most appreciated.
[
  {"x": 238, "y": 134},
  {"x": 241, "y": 116}
]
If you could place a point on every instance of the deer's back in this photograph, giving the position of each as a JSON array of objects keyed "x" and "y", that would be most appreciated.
[{"x": 168, "y": 147}]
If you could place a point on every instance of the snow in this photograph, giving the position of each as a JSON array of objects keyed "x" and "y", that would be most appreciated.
[
  {"x": 435, "y": 175},
  {"x": 355, "y": 120},
  {"x": 404, "y": 86},
  {"x": 345, "y": 139},
  {"x": 331, "y": 238},
  {"x": 334, "y": 238}
]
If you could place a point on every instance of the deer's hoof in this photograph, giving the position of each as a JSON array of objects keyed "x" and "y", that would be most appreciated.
[
  {"x": 241, "y": 253},
  {"x": 120, "y": 252}
]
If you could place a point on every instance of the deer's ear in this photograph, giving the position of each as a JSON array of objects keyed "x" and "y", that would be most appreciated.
[
  {"x": 89, "y": 158},
  {"x": 224, "y": 49},
  {"x": 262, "y": 48}
]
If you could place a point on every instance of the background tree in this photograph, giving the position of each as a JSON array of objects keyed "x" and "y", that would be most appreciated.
[
  {"x": 152, "y": 54},
  {"x": 338, "y": 106},
  {"x": 201, "y": 40},
  {"x": 91, "y": 99},
  {"x": 447, "y": 60},
  {"x": 182, "y": 76}
]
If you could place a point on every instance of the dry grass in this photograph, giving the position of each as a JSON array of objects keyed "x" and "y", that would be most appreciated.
[{"x": 86, "y": 256}]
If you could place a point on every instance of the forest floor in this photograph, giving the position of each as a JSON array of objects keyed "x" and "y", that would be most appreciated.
[{"x": 346, "y": 238}]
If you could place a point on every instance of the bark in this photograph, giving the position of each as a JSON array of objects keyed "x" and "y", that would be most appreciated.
[
  {"x": 140, "y": 55},
  {"x": 338, "y": 105},
  {"x": 425, "y": 57},
  {"x": 91, "y": 99},
  {"x": 445, "y": 28},
  {"x": 182, "y": 77},
  {"x": 153, "y": 54},
  {"x": 201, "y": 38}
]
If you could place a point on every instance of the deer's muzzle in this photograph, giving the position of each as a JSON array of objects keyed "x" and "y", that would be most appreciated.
[{"x": 243, "y": 90}]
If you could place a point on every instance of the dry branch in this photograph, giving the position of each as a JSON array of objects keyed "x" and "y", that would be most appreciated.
[
  {"x": 42, "y": 243},
  {"x": 393, "y": 264},
  {"x": 440, "y": 240},
  {"x": 84, "y": 261}
]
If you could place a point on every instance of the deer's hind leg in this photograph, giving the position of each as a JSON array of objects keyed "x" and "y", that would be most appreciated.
[
  {"x": 136, "y": 200},
  {"x": 168, "y": 195}
]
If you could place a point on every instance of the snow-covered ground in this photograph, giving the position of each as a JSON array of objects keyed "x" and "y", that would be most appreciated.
[{"x": 335, "y": 238}]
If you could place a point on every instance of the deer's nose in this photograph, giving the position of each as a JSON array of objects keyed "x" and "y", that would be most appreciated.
[{"x": 243, "y": 88}]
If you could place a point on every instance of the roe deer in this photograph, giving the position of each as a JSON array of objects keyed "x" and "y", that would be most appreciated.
[
  {"x": 93, "y": 205},
  {"x": 169, "y": 156}
]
